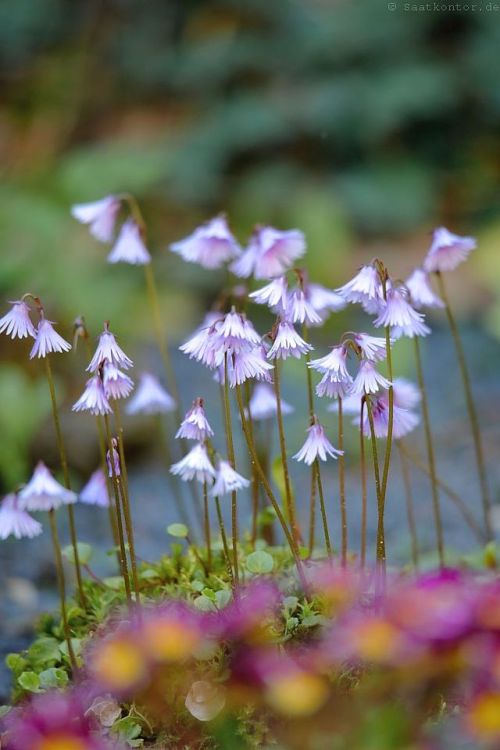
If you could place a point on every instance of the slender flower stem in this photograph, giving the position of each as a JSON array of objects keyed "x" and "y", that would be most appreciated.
[
  {"x": 267, "y": 488},
  {"x": 312, "y": 510},
  {"x": 390, "y": 422},
  {"x": 121, "y": 536},
  {"x": 376, "y": 471},
  {"x": 62, "y": 588},
  {"x": 343, "y": 507},
  {"x": 111, "y": 508},
  {"x": 471, "y": 409},
  {"x": 449, "y": 492},
  {"x": 122, "y": 482},
  {"x": 67, "y": 483},
  {"x": 430, "y": 453},
  {"x": 410, "y": 513},
  {"x": 225, "y": 546},
  {"x": 323, "y": 511},
  {"x": 363, "y": 485},
  {"x": 206, "y": 524},
  {"x": 230, "y": 452},
  {"x": 173, "y": 482},
  {"x": 290, "y": 504},
  {"x": 255, "y": 480}
]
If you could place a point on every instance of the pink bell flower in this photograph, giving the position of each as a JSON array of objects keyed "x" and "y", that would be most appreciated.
[
  {"x": 211, "y": 245},
  {"x": 48, "y": 340},
  {"x": 99, "y": 215},
  {"x": 17, "y": 522},
  {"x": 447, "y": 251},
  {"x": 17, "y": 322},
  {"x": 316, "y": 446},
  {"x": 129, "y": 246},
  {"x": 43, "y": 492}
]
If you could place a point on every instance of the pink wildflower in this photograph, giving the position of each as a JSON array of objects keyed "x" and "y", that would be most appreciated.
[
  {"x": 129, "y": 246},
  {"x": 15, "y": 521},
  {"x": 99, "y": 215},
  {"x": 17, "y": 322},
  {"x": 448, "y": 250},
  {"x": 316, "y": 446},
  {"x": 211, "y": 245}
]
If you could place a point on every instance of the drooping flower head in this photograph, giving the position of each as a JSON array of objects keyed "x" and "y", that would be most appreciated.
[
  {"x": 47, "y": 340},
  {"x": 448, "y": 250},
  {"x": 263, "y": 403},
  {"x": 99, "y": 215},
  {"x": 17, "y": 522},
  {"x": 406, "y": 393},
  {"x": 300, "y": 310},
  {"x": 235, "y": 333},
  {"x": 270, "y": 253},
  {"x": 368, "y": 379},
  {"x": 287, "y": 342},
  {"x": 317, "y": 445},
  {"x": 227, "y": 480},
  {"x": 398, "y": 314},
  {"x": 129, "y": 246},
  {"x": 195, "y": 465},
  {"x": 43, "y": 492},
  {"x": 364, "y": 288},
  {"x": 274, "y": 295},
  {"x": 372, "y": 347},
  {"x": 116, "y": 383},
  {"x": 108, "y": 351},
  {"x": 195, "y": 425},
  {"x": 95, "y": 491},
  {"x": 247, "y": 365},
  {"x": 201, "y": 346},
  {"x": 150, "y": 397},
  {"x": 211, "y": 245},
  {"x": 93, "y": 399},
  {"x": 17, "y": 322},
  {"x": 421, "y": 292},
  {"x": 404, "y": 420},
  {"x": 336, "y": 380},
  {"x": 323, "y": 300}
]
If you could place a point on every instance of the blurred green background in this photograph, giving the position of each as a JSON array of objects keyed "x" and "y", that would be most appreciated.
[{"x": 363, "y": 127}]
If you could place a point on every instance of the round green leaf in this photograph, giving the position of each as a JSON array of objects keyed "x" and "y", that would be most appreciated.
[
  {"x": 29, "y": 681},
  {"x": 179, "y": 530},
  {"x": 84, "y": 553},
  {"x": 260, "y": 562}
]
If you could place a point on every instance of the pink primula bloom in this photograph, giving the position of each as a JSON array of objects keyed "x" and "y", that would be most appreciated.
[
  {"x": 108, "y": 351},
  {"x": 95, "y": 491},
  {"x": 99, "y": 215},
  {"x": 116, "y": 383},
  {"x": 274, "y": 295},
  {"x": 372, "y": 347},
  {"x": 288, "y": 343},
  {"x": 270, "y": 253},
  {"x": 48, "y": 340},
  {"x": 447, "y": 251},
  {"x": 421, "y": 292},
  {"x": 211, "y": 245},
  {"x": 43, "y": 492},
  {"x": 17, "y": 522},
  {"x": 368, "y": 379},
  {"x": 263, "y": 403},
  {"x": 317, "y": 446},
  {"x": 150, "y": 397},
  {"x": 195, "y": 425},
  {"x": 300, "y": 310},
  {"x": 17, "y": 322},
  {"x": 195, "y": 465},
  {"x": 129, "y": 246},
  {"x": 400, "y": 316},
  {"x": 93, "y": 399},
  {"x": 365, "y": 287},
  {"x": 227, "y": 480}
]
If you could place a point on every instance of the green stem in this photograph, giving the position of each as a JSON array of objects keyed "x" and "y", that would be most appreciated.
[
  {"x": 67, "y": 483},
  {"x": 410, "y": 513},
  {"x": 172, "y": 480},
  {"x": 343, "y": 507},
  {"x": 376, "y": 471},
  {"x": 225, "y": 546},
  {"x": 230, "y": 451},
  {"x": 390, "y": 423},
  {"x": 290, "y": 504},
  {"x": 430, "y": 453},
  {"x": 312, "y": 510},
  {"x": 267, "y": 488},
  {"x": 363, "y": 485},
  {"x": 471, "y": 409},
  {"x": 255, "y": 481},
  {"x": 62, "y": 588},
  {"x": 206, "y": 524},
  {"x": 111, "y": 508},
  {"x": 324, "y": 518}
]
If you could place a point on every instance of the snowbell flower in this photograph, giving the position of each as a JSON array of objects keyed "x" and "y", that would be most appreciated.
[
  {"x": 235, "y": 333},
  {"x": 248, "y": 365},
  {"x": 404, "y": 420},
  {"x": 270, "y": 253},
  {"x": 93, "y": 399},
  {"x": 316, "y": 446},
  {"x": 406, "y": 393},
  {"x": 195, "y": 425},
  {"x": 421, "y": 292},
  {"x": 113, "y": 460},
  {"x": 288, "y": 343},
  {"x": 17, "y": 322},
  {"x": 372, "y": 347},
  {"x": 129, "y": 246},
  {"x": 263, "y": 403},
  {"x": 227, "y": 480},
  {"x": 205, "y": 700},
  {"x": 150, "y": 397},
  {"x": 300, "y": 310},
  {"x": 331, "y": 387},
  {"x": 99, "y": 215},
  {"x": 95, "y": 491},
  {"x": 447, "y": 251},
  {"x": 274, "y": 295},
  {"x": 195, "y": 465},
  {"x": 336, "y": 380},
  {"x": 47, "y": 340},
  {"x": 398, "y": 314},
  {"x": 108, "y": 351},
  {"x": 116, "y": 383},
  {"x": 368, "y": 379},
  {"x": 43, "y": 492},
  {"x": 364, "y": 288},
  {"x": 323, "y": 300},
  {"x": 17, "y": 522},
  {"x": 210, "y": 245}
]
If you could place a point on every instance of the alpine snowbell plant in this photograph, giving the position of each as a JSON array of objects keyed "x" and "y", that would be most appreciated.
[{"x": 290, "y": 638}]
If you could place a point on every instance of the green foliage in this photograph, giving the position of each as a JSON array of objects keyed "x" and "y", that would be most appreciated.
[
  {"x": 85, "y": 552},
  {"x": 260, "y": 562}
]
